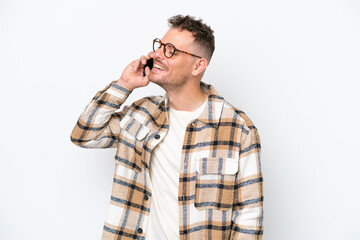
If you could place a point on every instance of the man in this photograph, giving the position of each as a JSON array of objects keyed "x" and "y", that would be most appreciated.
[{"x": 187, "y": 163}]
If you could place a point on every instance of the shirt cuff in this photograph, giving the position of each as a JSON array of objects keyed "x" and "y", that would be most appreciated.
[{"x": 117, "y": 91}]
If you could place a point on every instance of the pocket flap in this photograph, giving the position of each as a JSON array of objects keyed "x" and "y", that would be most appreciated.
[
  {"x": 134, "y": 127},
  {"x": 217, "y": 165}
]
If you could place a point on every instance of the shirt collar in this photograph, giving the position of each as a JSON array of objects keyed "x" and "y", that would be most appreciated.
[{"x": 212, "y": 112}]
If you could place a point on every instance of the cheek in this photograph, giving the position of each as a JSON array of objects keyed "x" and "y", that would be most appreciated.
[
  {"x": 188, "y": 68},
  {"x": 184, "y": 67}
]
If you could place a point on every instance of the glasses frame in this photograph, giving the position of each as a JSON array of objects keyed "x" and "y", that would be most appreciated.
[{"x": 170, "y": 44}]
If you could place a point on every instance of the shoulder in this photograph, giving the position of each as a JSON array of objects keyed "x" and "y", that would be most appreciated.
[
  {"x": 249, "y": 134},
  {"x": 239, "y": 116},
  {"x": 229, "y": 113}
]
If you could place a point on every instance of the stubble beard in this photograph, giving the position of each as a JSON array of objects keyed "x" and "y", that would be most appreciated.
[{"x": 174, "y": 84}]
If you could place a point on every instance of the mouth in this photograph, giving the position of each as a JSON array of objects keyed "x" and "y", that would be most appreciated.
[{"x": 157, "y": 66}]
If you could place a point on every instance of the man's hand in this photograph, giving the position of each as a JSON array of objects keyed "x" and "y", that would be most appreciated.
[{"x": 132, "y": 76}]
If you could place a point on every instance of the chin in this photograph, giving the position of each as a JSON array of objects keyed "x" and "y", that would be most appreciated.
[{"x": 156, "y": 79}]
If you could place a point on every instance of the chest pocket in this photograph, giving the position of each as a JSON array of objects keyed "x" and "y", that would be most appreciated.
[
  {"x": 134, "y": 127},
  {"x": 131, "y": 139},
  {"x": 215, "y": 183}
]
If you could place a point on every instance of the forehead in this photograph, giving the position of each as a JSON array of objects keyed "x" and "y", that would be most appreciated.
[{"x": 180, "y": 39}]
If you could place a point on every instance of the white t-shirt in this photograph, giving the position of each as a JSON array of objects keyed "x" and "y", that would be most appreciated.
[{"x": 165, "y": 160}]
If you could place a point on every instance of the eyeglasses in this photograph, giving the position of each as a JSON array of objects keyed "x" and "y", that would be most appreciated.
[{"x": 169, "y": 49}]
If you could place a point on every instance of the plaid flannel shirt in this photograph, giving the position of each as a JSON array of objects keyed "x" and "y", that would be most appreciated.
[{"x": 220, "y": 192}]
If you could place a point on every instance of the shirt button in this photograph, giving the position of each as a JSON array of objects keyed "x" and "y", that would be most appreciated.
[
  {"x": 139, "y": 230},
  {"x": 157, "y": 136},
  {"x": 146, "y": 197}
]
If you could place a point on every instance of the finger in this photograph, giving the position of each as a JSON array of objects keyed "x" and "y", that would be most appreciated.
[
  {"x": 136, "y": 64},
  {"x": 151, "y": 54},
  {"x": 143, "y": 60},
  {"x": 146, "y": 77},
  {"x": 147, "y": 71}
]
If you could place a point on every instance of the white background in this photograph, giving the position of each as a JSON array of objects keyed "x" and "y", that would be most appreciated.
[{"x": 292, "y": 66}]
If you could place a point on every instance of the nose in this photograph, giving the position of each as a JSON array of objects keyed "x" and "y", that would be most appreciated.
[{"x": 159, "y": 53}]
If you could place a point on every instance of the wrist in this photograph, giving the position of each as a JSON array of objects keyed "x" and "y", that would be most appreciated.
[{"x": 124, "y": 84}]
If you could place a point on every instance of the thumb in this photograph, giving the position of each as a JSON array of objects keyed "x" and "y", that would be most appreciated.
[{"x": 146, "y": 77}]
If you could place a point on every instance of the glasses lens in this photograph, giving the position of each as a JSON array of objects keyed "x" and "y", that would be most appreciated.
[
  {"x": 156, "y": 44},
  {"x": 169, "y": 50}
]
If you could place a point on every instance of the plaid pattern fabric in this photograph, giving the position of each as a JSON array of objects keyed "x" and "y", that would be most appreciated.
[{"x": 220, "y": 192}]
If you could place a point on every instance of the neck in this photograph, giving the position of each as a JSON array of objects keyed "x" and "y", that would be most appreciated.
[{"x": 188, "y": 98}]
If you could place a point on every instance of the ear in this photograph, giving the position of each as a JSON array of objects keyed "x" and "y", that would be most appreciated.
[{"x": 199, "y": 66}]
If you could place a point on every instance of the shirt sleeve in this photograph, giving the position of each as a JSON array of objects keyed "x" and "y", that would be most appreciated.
[
  {"x": 99, "y": 125},
  {"x": 247, "y": 217}
]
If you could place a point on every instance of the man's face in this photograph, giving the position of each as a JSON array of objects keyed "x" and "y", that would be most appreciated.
[{"x": 172, "y": 73}]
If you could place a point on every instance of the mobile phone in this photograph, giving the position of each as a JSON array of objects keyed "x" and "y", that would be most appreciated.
[{"x": 149, "y": 63}]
